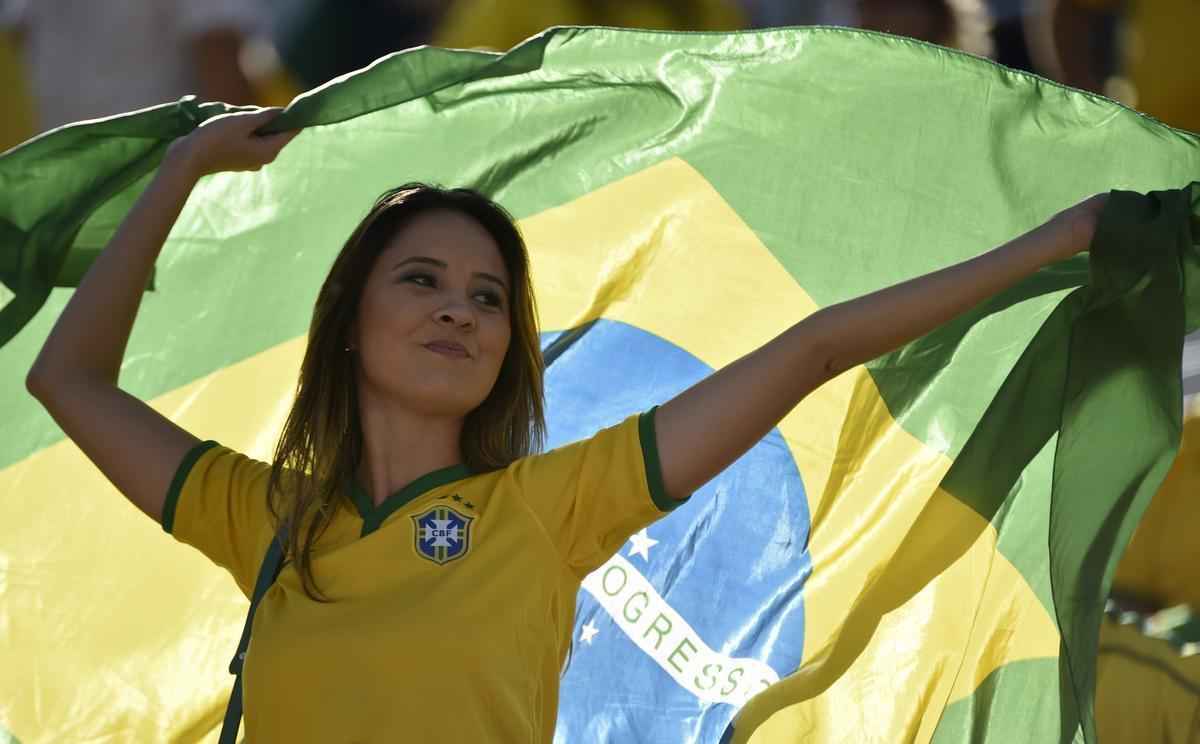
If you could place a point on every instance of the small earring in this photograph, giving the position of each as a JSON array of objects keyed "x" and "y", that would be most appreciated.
[{"x": 349, "y": 349}]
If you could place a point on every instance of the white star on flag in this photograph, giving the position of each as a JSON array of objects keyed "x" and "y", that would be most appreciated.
[
  {"x": 589, "y": 632},
  {"x": 642, "y": 544}
]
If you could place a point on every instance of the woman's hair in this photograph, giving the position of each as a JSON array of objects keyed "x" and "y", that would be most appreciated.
[{"x": 321, "y": 446}]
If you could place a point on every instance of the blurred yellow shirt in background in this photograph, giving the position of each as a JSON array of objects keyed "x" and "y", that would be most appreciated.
[
  {"x": 1162, "y": 562},
  {"x": 1146, "y": 689},
  {"x": 16, "y": 121},
  {"x": 502, "y": 24}
]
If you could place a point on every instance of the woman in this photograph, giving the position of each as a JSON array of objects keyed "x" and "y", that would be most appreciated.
[{"x": 433, "y": 558}]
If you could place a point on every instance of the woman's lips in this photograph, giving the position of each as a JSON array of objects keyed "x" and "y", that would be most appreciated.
[{"x": 449, "y": 349}]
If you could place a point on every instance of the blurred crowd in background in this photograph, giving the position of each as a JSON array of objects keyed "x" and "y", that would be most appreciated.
[{"x": 68, "y": 60}]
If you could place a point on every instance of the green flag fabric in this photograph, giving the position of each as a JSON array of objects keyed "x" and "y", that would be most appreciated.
[{"x": 919, "y": 552}]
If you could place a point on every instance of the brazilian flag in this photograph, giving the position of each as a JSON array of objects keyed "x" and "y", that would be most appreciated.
[{"x": 918, "y": 552}]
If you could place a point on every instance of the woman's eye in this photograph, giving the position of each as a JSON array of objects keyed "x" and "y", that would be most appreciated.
[
  {"x": 424, "y": 280},
  {"x": 491, "y": 299}
]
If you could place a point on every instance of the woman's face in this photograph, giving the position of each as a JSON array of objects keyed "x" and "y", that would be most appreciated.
[{"x": 433, "y": 321}]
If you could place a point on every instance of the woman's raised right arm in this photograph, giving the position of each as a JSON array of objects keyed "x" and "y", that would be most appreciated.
[{"x": 75, "y": 374}]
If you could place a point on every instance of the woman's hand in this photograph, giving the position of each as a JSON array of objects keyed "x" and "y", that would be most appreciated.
[
  {"x": 746, "y": 399},
  {"x": 228, "y": 143},
  {"x": 1079, "y": 224}
]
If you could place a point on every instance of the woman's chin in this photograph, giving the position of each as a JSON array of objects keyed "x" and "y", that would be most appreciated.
[{"x": 443, "y": 401}]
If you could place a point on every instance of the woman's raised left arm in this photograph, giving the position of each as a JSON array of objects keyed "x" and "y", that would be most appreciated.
[{"x": 704, "y": 429}]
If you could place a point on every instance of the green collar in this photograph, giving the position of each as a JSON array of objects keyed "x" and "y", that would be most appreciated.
[{"x": 373, "y": 515}]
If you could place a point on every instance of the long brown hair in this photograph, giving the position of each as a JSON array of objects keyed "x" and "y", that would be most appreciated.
[{"x": 321, "y": 446}]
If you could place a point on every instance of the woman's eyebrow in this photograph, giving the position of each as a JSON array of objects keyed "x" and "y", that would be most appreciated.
[
  {"x": 442, "y": 265},
  {"x": 420, "y": 259},
  {"x": 492, "y": 278}
]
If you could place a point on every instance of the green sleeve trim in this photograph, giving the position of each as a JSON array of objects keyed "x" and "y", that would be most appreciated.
[
  {"x": 654, "y": 479},
  {"x": 181, "y": 474}
]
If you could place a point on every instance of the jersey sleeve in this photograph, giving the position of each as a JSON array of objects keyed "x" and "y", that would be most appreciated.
[
  {"x": 217, "y": 503},
  {"x": 592, "y": 495}
]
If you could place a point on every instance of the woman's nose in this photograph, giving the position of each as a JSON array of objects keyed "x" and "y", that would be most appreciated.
[{"x": 456, "y": 314}]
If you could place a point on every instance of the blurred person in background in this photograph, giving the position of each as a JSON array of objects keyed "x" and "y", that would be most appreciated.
[
  {"x": 928, "y": 20},
  {"x": 961, "y": 24},
  {"x": 1158, "y": 57},
  {"x": 91, "y": 58},
  {"x": 502, "y": 24},
  {"x": 1009, "y": 31},
  {"x": 322, "y": 39},
  {"x": 775, "y": 13}
]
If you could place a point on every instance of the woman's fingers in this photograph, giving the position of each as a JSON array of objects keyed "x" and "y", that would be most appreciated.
[
  {"x": 229, "y": 142},
  {"x": 239, "y": 123},
  {"x": 257, "y": 119},
  {"x": 271, "y": 144}
]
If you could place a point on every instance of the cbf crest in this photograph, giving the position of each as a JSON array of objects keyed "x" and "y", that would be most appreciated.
[{"x": 441, "y": 534}]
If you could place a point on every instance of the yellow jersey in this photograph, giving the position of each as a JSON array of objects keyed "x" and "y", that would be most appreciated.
[{"x": 452, "y": 602}]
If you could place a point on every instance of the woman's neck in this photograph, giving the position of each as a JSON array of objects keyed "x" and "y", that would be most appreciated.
[{"x": 400, "y": 446}]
